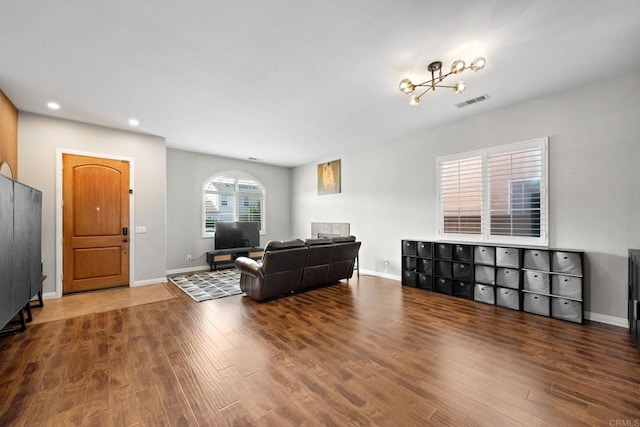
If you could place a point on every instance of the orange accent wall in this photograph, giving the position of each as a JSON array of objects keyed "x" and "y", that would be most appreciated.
[{"x": 9, "y": 134}]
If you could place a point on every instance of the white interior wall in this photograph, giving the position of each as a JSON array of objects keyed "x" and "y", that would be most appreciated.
[
  {"x": 39, "y": 138},
  {"x": 389, "y": 194}
]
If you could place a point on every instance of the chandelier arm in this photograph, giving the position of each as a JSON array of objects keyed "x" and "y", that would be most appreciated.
[
  {"x": 446, "y": 75},
  {"x": 423, "y": 84},
  {"x": 433, "y": 83},
  {"x": 427, "y": 90}
]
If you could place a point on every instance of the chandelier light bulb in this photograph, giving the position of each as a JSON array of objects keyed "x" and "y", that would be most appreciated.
[
  {"x": 459, "y": 87},
  {"x": 478, "y": 64},
  {"x": 406, "y": 86},
  {"x": 414, "y": 100},
  {"x": 458, "y": 66}
]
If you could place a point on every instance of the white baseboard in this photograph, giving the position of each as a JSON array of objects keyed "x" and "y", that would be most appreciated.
[
  {"x": 149, "y": 282},
  {"x": 188, "y": 269},
  {"x": 605, "y": 318},
  {"x": 48, "y": 295},
  {"x": 379, "y": 274}
]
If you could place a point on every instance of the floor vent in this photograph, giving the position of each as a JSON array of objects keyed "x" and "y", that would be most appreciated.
[{"x": 473, "y": 101}]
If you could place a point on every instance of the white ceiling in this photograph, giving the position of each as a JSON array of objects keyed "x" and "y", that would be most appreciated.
[{"x": 296, "y": 81}]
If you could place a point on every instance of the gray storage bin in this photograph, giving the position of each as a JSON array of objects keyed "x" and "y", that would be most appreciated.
[
  {"x": 537, "y": 282},
  {"x": 508, "y": 277},
  {"x": 537, "y": 259},
  {"x": 484, "y": 255},
  {"x": 508, "y": 257},
  {"x": 486, "y": 274},
  {"x": 536, "y": 304},
  {"x": 508, "y": 298},
  {"x": 566, "y": 262},
  {"x": 566, "y": 309},
  {"x": 567, "y": 286},
  {"x": 484, "y": 293}
]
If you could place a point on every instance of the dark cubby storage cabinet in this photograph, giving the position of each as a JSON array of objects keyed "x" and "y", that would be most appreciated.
[
  {"x": 548, "y": 282},
  {"x": 20, "y": 247},
  {"x": 634, "y": 296}
]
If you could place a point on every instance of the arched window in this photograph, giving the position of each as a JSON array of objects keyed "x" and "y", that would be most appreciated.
[{"x": 231, "y": 196}]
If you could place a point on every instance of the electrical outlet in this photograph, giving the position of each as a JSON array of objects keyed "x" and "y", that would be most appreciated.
[{"x": 188, "y": 257}]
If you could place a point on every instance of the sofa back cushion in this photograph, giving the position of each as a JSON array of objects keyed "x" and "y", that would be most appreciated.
[
  {"x": 275, "y": 261},
  {"x": 282, "y": 270},
  {"x": 277, "y": 245},
  {"x": 343, "y": 239},
  {"x": 318, "y": 241}
]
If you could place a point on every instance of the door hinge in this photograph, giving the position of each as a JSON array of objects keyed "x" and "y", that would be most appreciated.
[
  {"x": 125, "y": 161},
  {"x": 131, "y": 191}
]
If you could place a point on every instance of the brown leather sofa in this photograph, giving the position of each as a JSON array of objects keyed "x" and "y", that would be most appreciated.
[{"x": 294, "y": 266}]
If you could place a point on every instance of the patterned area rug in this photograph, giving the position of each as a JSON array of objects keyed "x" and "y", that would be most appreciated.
[{"x": 207, "y": 285}]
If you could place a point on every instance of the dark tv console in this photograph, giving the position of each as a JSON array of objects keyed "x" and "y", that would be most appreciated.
[{"x": 225, "y": 258}]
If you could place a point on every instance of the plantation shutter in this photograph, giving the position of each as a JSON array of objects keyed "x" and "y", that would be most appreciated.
[
  {"x": 495, "y": 195},
  {"x": 220, "y": 201},
  {"x": 250, "y": 200},
  {"x": 516, "y": 188},
  {"x": 461, "y": 195}
]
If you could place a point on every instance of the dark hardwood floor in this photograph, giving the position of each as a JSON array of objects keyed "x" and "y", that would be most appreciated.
[{"x": 367, "y": 352}]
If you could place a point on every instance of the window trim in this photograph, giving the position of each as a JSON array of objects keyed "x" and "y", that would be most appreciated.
[
  {"x": 236, "y": 175},
  {"x": 485, "y": 235}
]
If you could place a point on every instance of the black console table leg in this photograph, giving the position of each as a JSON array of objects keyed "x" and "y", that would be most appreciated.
[
  {"x": 27, "y": 308},
  {"x": 21, "y": 328}
]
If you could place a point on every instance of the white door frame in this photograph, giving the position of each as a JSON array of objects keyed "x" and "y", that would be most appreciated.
[{"x": 59, "y": 270}]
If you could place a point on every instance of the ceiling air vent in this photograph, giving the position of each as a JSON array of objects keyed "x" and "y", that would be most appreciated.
[{"x": 473, "y": 101}]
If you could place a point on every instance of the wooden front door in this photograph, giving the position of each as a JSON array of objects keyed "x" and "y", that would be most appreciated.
[{"x": 95, "y": 223}]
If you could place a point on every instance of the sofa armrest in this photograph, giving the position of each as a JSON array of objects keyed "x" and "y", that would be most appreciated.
[{"x": 248, "y": 266}]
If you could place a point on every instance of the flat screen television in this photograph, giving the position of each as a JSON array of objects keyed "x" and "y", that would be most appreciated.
[{"x": 237, "y": 234}]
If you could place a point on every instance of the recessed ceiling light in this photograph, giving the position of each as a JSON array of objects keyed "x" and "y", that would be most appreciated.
[
  {"x": 134, "y": 122},
  {"x": 53, "y": 105}
]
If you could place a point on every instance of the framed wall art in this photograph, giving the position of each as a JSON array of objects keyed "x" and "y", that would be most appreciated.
[{"x": 329, "y": 177}]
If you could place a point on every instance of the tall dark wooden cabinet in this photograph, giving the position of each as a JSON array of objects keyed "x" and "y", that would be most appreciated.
[{"x": 20, "y": 246}]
